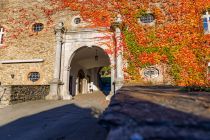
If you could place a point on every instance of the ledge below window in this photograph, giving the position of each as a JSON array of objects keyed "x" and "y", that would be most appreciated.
[{"x": 21, "y": 61}]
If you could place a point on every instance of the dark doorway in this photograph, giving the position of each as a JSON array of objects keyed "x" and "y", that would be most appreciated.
[
  {"x": 104, "y": 75},
  {"x": 71, "y": 85},
  {"x": 81, "y": 76},
  {"x": 88, "y": 60}
]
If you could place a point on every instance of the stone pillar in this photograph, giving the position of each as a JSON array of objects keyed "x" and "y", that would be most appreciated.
[
  {"x": 109, "y": 96},
  {"x": 65, "y": 94},
  {"x": 54, "y": 85},
  {"x": 117, "y": 74},
  {"x": 119, "y": 54}
]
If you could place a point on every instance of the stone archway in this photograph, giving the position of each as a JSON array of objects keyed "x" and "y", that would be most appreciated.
[
  {"x": 85, "y": 63},
  {"x": 69, "y": 43}
]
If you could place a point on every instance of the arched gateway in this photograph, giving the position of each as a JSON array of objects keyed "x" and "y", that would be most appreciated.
[
  {"x": 79, "y": 57},
  {"x": 85, "y": 64}
]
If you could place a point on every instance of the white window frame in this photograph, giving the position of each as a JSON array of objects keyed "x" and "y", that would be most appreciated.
[
  {"x": 1, "y": 35},
  {"x": 154, "y": 75},
  {"x": 207, "y": 16}
]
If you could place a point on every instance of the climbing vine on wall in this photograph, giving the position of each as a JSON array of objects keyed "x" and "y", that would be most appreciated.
[
  {"x": 19, "y": 25},
  {"x": 176, "y": 39}
]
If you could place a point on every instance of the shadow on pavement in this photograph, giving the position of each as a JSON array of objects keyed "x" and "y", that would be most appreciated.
[{"x": 68, "y": 122}]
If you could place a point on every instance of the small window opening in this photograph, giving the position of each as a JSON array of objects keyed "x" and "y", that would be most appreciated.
[
  {"x": 151, "y": 72},
  {"x": 34, "y": 76},
  {"x": 37, "y": 27},
  {"x": 147, "y": 18},
  {"x": 77, "y": 20},
  {"x": 1, "y": 35}
]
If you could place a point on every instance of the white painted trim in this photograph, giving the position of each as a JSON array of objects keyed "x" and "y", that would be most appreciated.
[
  {"x": 21, "y": 61},
  {"x": 207, "y": 15},
  {"x": 1, "y": 35}
]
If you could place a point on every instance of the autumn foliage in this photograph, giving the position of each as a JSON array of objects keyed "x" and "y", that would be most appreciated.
[{"x": 177, "y": 38}]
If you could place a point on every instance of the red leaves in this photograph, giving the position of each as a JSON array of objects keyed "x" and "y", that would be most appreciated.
[
  {"x": 191, "y": 70},
  {"x": 151, "y": 59},
  {"x": 178, "y": 25}
]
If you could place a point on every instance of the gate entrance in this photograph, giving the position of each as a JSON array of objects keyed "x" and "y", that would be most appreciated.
[{"x": 85, "y": 66}]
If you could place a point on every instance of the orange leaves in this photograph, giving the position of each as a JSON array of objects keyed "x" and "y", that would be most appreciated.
[
  {"x": 192, "y": 72},
  {"x": 186, "y": 58},
  {"x": 150, "y": 59},
  {"x": 178, "y": 26},
  {"x": 102, "y": 19}
]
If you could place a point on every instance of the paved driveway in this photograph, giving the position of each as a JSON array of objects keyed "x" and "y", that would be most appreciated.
[{"x": 54, "y": 120}]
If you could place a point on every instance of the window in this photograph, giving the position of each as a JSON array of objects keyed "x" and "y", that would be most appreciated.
[
  {"x": 77, "y": 20},
  {"x": 1, "y": 35},
  {"x": 206, "y": 24},
  {"x": 151, "y": 72},
  {"x": 34, "y": 76},
  {"x": 147, "y": 18},
  {"x": 37, "y": 27}
]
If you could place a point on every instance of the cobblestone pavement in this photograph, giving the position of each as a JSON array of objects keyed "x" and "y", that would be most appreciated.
[
  {"x": 157, "y": 113},
  {"x": 54, "y": 120}
]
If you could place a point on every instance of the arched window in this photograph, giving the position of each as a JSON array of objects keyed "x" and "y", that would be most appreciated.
[
  {"x": 37, "y": 27},
  {"x": 151, "y": 72},
  {"x": 147, "y": 18},
  {"x": 206, "y": 23},
  {"x": 1, "y": 35},
  {"x": 34, "y": 76},
  {"x": 77, "y": 20}
]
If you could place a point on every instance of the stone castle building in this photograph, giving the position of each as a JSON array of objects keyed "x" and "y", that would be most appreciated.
[{"x": 50, "y": 53}]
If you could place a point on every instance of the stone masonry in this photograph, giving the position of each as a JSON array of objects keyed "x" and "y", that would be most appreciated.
[
  {"x": 157, "y": 113},
  {"x": 16, "y": 94},
  {"x": 28, "y": 93},
  {"x": 5, "y": 96},
  {"x": 22, "y": 43}
]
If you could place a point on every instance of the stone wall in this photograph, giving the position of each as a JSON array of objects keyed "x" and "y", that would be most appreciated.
[
  {"x": 22, "y": 43},
  {"x": 163, "y": 79},
  {"x": 3, "y": 3},
  {"x": 157, "y": 113},
  {"x": 28, "y": 93},
  {"x": 18, "y": 94},
  {"x": 5, "y": 96}
]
